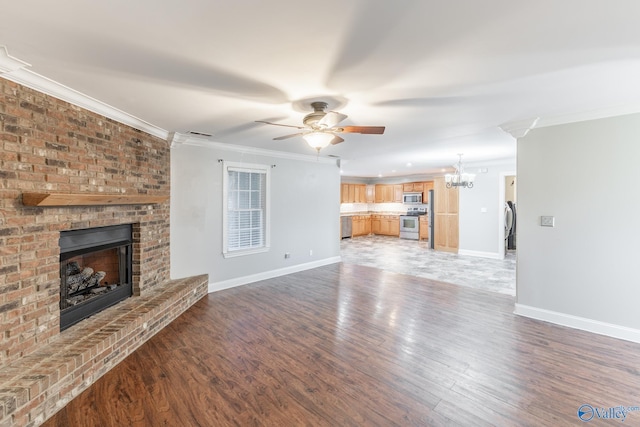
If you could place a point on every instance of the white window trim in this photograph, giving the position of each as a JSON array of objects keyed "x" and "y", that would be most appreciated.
[{"x": 245, "y": 167}]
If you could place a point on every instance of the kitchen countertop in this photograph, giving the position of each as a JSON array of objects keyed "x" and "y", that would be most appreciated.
[{"x": 371, "y": 213}]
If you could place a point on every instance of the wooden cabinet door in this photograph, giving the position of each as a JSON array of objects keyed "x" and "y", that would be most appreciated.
[
  {"x": 418, "y": 187},
  {"x": 375, "y": 224},
  {"x": 397, "y": 193},
  {"x": 408, "y": 187},
  {"x": 352, "y": 193},
  {"x": 370, "y": 194},
  {"x": 362, "y": 198},
  {"x": 379, "y": 193},
  {"x": 445, "y": 217},
  {"x": 344, "y": 193},
  {"x": 394, "y": 226},
  {"x": 367, "y": 226},
  {"x": 424, "y": 228},
  {"x": 384, "y": 226}
]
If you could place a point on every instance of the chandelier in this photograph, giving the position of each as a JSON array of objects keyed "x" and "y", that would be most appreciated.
[{"x": 460, "y": 178}]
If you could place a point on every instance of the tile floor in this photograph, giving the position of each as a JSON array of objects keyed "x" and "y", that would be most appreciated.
[{"x": 416, "y": 258}]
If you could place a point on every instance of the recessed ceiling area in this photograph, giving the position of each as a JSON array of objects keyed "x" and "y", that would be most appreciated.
[{"x": 442, "y": 77}]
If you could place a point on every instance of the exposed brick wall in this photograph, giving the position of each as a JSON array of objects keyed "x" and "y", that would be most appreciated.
[{"x": 50, "y": 145}]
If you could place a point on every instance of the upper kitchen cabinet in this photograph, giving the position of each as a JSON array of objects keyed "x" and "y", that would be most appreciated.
[
  {"x": 344, "y": 193},
  {"x": 445, "y": 217},
  {"x": 353, "y": 193},
  {"x": 397, "y": 193},
  {"x": 370, "y": 196},
  {"x": 413, "y": 187},
  {"x": 388, "y": 193}
]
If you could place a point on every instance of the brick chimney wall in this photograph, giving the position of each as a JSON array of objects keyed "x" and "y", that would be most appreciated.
[{"x": 48, "y": 145}]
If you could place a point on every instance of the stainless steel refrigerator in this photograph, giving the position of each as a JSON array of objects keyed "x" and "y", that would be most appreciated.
[{"x": 431, "y": 217}]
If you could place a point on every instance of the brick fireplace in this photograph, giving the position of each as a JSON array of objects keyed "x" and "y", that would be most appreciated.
[{"x": 51, "y": 147}]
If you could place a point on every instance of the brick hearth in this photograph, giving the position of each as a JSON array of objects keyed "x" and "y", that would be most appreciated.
[{"x": 48, "y": 145}]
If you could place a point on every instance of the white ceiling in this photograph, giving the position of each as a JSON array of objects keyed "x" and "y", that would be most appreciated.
[{"x": 442, "y": 76}]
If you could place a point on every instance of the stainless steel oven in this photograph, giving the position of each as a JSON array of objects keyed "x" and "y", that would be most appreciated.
[
  {"x": 409, "y": 227},
  {"x": 410, "y": 223}
]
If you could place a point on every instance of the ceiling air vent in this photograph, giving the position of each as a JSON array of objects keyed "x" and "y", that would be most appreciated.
[{"x": 191, "y": 132}]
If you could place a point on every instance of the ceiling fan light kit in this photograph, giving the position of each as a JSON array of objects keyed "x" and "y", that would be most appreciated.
[
  {"x": 320, "y": 129},
  {"x": 318, "y": 140}
]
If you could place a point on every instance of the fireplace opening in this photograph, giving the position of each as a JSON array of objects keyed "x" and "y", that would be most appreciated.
[{"x": 95, "y": 271}]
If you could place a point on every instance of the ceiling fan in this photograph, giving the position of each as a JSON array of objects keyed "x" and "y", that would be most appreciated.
[{"x": 320, "y": 128}]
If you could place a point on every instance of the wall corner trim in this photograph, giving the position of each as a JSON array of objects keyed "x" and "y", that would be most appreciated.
[
  {"x": 581, "y": 323},
  {"x": 244, "y": 280}
]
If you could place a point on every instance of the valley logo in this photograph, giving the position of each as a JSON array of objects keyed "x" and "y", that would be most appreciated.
[{"x": 587, "y": 412}]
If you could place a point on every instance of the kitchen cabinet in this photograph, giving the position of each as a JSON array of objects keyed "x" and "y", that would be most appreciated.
[
  {"x": 446, "y": 232},
  {"x": 361, "y": 225},
  {"x": 344, "y": 193},
  {"x": 397, "y": 193},
  {"x": 386, "y": 225},
  {"x": 424, "y": 227},
  {"x": 375, "y": 224},
  {"x": 370, "y": 194},
  {"x": 413, "y": 187},
  {"x": 388, "y": 193},
  {"x": 353, "y": 193},
  {"x": 382, "y": 193}
]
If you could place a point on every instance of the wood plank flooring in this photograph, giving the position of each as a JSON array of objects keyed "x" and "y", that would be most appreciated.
[{"x": 347, "y": 345}]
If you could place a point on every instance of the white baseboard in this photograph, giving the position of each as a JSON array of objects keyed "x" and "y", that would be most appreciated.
[
  {"x": 239, "y": 281},
  {"x": 492, "y": 255},
  {"x": 582, "y": 323}
]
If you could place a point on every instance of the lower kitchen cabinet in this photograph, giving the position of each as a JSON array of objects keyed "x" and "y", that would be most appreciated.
[
  {"x": 386, "y": 225},
  {"x": 424, "y": 228},
  {"x": 361, "y": 225}
]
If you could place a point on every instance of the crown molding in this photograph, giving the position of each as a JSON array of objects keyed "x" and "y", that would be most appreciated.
[
  {"x": 16, "y": 71},
  {"x": 600, "y": 113},
  {"x": 177, "y": 139},
  {"x": 519, "y": 128},
  {"x": 8, "y": 63}
]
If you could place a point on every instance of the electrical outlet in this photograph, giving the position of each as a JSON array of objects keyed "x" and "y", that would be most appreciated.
[
  {"x": 310, "y": 252},
  {"x": 287, "y": 255},
  {"x": 547, "y": 221}
]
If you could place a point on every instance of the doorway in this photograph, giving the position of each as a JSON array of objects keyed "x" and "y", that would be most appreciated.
[{"x": 507, "y": 222}]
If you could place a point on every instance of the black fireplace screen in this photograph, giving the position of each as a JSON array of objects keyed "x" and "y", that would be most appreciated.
[{"x": 95, "y": 271}]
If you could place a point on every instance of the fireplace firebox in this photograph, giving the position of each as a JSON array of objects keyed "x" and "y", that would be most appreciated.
[{"x": 95, "y": 271}]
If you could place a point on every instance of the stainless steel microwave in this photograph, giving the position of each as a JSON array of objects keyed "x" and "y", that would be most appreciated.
[{"x": 412, "y": 198}]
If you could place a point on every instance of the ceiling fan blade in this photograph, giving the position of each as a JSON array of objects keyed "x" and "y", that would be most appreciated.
[
  {"x": 336, "y": 140},
  {"x": 280, "y": 138},
  {"x": 331, "y": 119},
  {"x": 279, "y": 124},
  {"x": 377, "y": 130}
]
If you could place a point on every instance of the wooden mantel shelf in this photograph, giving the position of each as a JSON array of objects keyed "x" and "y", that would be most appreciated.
[{"x": 66, "y": 199}]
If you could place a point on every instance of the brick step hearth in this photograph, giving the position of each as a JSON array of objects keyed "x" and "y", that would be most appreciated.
[{"x": 36, "y": 386}]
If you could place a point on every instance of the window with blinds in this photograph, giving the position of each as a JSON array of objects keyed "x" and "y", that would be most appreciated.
[{"x": 246, "y": 209}]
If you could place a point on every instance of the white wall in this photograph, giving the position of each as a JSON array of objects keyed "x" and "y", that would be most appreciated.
[
  {"x": 479, "y": 230},
  {"x": 305, "y": 210},
  {"x": 584, "y": 271}
]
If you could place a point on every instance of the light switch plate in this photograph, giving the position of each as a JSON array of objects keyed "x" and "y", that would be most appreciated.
[{"x": 547, "y": 221}]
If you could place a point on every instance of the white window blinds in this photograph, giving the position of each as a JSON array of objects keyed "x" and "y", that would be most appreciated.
[{"x": 246, "y": 210}]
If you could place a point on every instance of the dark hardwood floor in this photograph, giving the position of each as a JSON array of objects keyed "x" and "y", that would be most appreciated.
[{"x": 346, "y": 345}]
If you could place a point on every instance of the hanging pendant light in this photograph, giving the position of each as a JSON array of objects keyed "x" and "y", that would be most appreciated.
[{"x": 459, "y": 178}]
